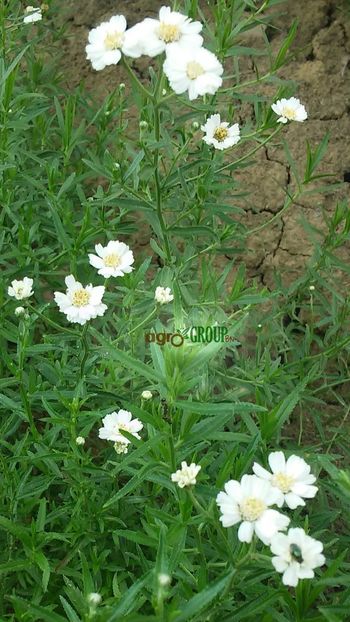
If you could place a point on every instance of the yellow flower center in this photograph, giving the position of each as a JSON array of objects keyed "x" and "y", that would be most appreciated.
[
  {"x": 169, "y": 32},
  {"x": 114, "y": 40},
  {"x": 289, "y": 113},
  {"x": 221, "y": 133},
  {"x": 81, "y": 298},
  {"x": 252, "y": 508},
  {"x": 112, "y": 261},
  {"x": 194, "y": 70},
  {"x": 282, "y": 481}
]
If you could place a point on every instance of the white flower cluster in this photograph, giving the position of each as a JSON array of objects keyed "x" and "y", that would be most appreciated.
[
  {"x": 32, "y": 15},
  {"x": 188, "y": 66},
  {"x": 186, "y": 476},
  {"x": 115, "y": 424},
  {"x": 20, "y": 290},
  {"x": 163, "y": 295},
  {"x": 249, "y": 502},
  {"x": 82, "y": 303}
]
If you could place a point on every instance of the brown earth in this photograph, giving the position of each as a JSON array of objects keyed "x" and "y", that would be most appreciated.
[{"x": 321, "y": 68}]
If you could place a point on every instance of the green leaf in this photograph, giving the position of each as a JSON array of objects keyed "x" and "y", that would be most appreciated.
[
  {"x": 128, "y": 599},
  {"x": 200, "y": 602},
  {"x": 132, "y": 484},
  {"x": 125, "y": 359}
]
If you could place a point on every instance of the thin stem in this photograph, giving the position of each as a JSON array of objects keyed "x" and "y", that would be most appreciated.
[
  {"x": 205, "y": 250},
  {"x": 22, "y": 343},
  {"x": 250, "y": 153},
  {"x": 85, "y": 350},
  {"x": 196, "y": 503},
  {"x": 158, "y": 185},
  {"x": 291, "y": 199},
  {"x": 149, "y": 317},
  {"x": 135, "y": 79},
  {"x": 52, "y": 323}
]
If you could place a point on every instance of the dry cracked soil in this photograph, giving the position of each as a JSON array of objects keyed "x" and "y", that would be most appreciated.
[{"x": 321, "y": 68}]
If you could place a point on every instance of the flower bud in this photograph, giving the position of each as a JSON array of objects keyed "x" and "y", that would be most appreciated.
[
  {"x": 164, "y": 579},
  {"x": 94, "y": 599}
]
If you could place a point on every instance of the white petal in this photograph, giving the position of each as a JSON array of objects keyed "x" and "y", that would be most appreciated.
[
  {"x": 290, "y": 576},
  {"x": 277, "y": 461},
  {"x": 245, "y": 531},
  {"x": 269, "y": 524},
  {"x": 233, "y": 489},
  {"x": 293, "y": 501}
]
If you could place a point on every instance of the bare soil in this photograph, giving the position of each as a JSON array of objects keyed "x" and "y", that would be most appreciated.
[{"x": 320, "y": 67}]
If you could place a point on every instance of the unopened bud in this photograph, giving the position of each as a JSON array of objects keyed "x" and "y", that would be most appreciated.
[
  {"x": 164, "y": 579},
  {"x": 94, "y": 598}
]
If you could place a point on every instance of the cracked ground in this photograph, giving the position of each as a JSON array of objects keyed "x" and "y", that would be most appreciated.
[{"x": 320, "y": 68}]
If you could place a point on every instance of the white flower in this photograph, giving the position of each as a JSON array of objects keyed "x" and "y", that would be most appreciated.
[
  {"x": 163, "y": 295},
  {"x": 21, "y": 289},
  {"x": 291, "y": 479},
  {"x": 289, "y": 110},
  {"x": 115, "y": 259},
  {"x": 80, "y": 440},
  {"x": 146, "y": 395},
  {"x": 186, "y": 476},
  {"x": 108, "y": 41},
  {"x": 115, "y": 423},
  {"x": 156, "y": 35},
  {"x": 219, "y": 134},
  {"x": 79, "y": 303},
  {"x": 195, "y": 70},
  {"x": 33, "y": 15},
  {"x": 94, "y": 598},
  {"x": 20, "y": 311},
  {"x": 121, "y": 448},
  {"x": 297, "y": 554},
  {"x": 247, "y": 502}
]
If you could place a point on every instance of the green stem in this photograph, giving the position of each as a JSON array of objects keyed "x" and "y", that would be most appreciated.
[
  {"x": 22, "y": 342},
  {"x": 85, "y": 350},
  {"x": 52, "y": 323},
  {"x": 196, "y": 503},
  {"x": 134, "y": 79},
  {"x": 158, "y": 185},
  {"x": 250, "y": 153},
  {"x": 291, "y": 199},
  {"x": 149, "y": 316}
]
